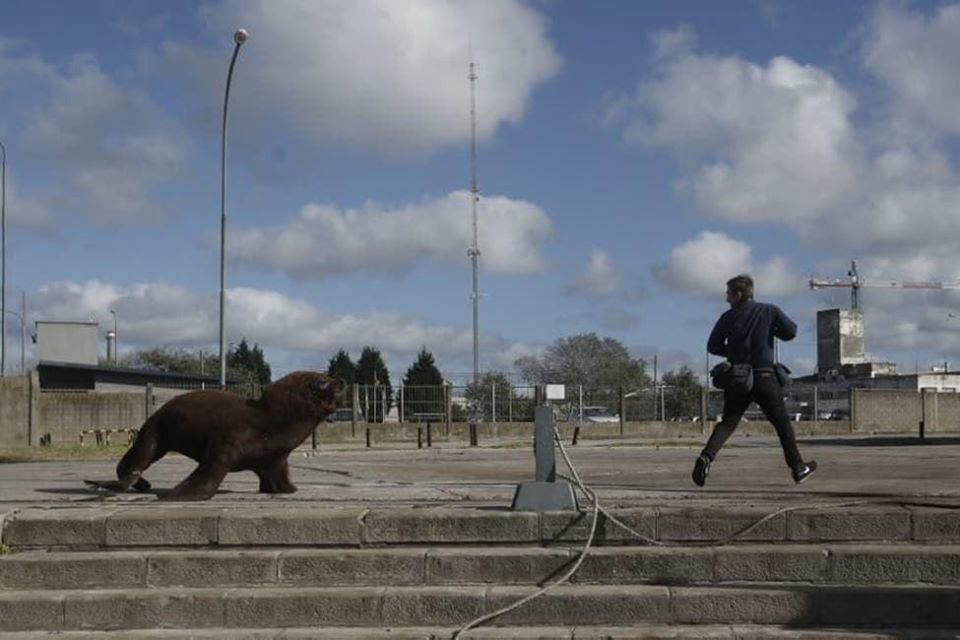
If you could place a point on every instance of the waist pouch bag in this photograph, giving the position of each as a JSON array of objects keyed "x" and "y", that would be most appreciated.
[
  {"x": 783, "y": 374},
  {"x": 720, "y": 374}
]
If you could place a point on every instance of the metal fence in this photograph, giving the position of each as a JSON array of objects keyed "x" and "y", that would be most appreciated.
[{"x": 515, "y": 403}]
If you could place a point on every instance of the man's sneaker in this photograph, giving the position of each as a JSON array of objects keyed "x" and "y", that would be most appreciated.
[
  {"x": 700, "y": 470},
  {"x": 804, "y": 471}
]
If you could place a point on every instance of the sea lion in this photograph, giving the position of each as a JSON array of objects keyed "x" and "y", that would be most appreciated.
[{"x": 224, "y": 432}]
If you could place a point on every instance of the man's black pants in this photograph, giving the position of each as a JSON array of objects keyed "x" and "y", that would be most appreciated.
[{"x": 768, "y": 394}]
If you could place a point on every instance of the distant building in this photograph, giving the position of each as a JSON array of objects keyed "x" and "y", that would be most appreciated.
[
  {"x": 68, "y": 376},
  {"x": 73, "y": 342},
  {"x": 840, "y": 347}
]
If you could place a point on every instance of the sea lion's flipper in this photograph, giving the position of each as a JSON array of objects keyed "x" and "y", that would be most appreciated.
[
  {"x": 109, "y": 485},
  {"x": 135, "y": 480}
]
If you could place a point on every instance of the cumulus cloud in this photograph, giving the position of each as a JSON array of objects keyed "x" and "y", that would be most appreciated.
[
  {"x": 600, "y": 279},
  {"x": 323, "y": 240},
  {"x": 152, "y": 314},
  {"x": 107, "y": 146},
  {"x": 703, "y": 265},
  {"x": 915, "y": 55},
  {"x": 773, "y": 143},
  {"x": 376, "y": 74},
  {"x": 779, "y": 142}
]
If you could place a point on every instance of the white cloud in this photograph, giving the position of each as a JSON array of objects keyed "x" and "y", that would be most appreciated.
[
  {"x": 324, "y": 240},
  {"x": 600, "y": 279},
  {"x": 775, "y": 142},
  {"x": 377, "y": 74},
  {"x": 107, "y": 146},
  {"x": 703, "y": 265},
  {"x": 155, "y": 314},
  {"x": 915, "y": 55},
  {"x": 778, "y": 142}
]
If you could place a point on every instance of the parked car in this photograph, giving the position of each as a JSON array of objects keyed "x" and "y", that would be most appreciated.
[
  {"x": 839, "y": 414},
  {"x": 343, "y": 414},
  {"x": 594, "y": 414}
]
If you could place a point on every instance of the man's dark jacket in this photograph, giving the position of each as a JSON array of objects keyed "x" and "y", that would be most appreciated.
[{"x": 745, "y": 333}]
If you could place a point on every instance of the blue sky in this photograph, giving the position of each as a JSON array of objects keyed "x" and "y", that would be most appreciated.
[{"x": 632, "y": 156}]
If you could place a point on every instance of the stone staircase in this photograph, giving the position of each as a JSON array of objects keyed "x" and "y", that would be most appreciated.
[{"x": 259, "y": 570}]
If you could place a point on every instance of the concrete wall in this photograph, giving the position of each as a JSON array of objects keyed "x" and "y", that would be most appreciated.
[
  {"x": 65, "y": 415},
  {"x": 900, "y": 411},
  {"x": 15, "y": 411},
  {"x": 26, "y": 414}
]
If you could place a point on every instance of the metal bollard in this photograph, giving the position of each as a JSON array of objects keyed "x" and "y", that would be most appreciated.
[
  {"x": 576, "y": 435},
  {"x": 419, "y": 437},
  {"x": 473, "y": 434},
  {"x": 546, "y": 493},
  {"x": 429, "y": 434},
  {"x": 368, "y": 437}
]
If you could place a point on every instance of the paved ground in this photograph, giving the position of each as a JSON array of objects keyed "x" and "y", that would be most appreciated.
[{"x": 749, "y": 470}]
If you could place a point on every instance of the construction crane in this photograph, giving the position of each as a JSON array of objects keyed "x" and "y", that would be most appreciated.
[{"x": 855, "y": 284}]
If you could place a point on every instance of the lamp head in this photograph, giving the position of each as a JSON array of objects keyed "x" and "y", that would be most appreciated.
[{"x": 240, "y": 36}]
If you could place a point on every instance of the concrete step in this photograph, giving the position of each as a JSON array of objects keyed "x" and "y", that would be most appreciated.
[
  {"x": 646, "y": 632},
  {"x": 803, "y": 606},
  {"x": 159, "y": 524},
  {"x": 841, "y": 564}
]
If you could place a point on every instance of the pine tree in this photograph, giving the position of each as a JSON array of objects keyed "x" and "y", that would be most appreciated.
[
  {"x": 423, "y": 387},
  {"x": 342, "y": 368},
  {"x": 372, "y": 371},
  {"x": 423, "y": 372},
  {"x": 248, "y": 365}
]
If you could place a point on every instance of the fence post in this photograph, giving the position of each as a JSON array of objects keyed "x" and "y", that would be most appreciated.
[
  {"x": 147, "y": 400},
  {"x": 816, "y": 403},
  {"x": 493, "y": 402},
  {"x": 448, "y": 406},
  {"x": 852, "y": 403},
  {"x": 704, "y": 401},
  {"x": 401, "y": 403},
  {"x": 580, "y": 400},
  {"x": 33, "y": 418},
  {"x": 623, "y": 409},
  {"x": 355, "y": 409}
]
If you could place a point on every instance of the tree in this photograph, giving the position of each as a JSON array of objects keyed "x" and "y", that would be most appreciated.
[
  {"x": 248, "y": 364},
  {"x": 171, "y": 360},
  {"x": 341, "y": 367},
  {"x": 423, "y": 372},
  {"x": 371, "y": 370},
  {"x": 681, "y": 397},
  {"x": 423, "y": 387},
  {"x": 243, "y": 363},
  {"x": 586, "y": 359}
]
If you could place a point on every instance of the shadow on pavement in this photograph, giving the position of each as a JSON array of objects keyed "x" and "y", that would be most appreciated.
[{"x": 884, "y": 441}]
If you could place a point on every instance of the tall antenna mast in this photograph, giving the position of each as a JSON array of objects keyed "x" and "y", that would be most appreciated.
[{"x": 474, "y": 251}]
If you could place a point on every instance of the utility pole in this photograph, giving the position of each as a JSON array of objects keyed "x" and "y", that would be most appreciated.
[{"x": 474, "y": 251}]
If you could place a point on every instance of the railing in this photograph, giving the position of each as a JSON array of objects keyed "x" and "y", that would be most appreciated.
[{"x": 515, "y": 403}]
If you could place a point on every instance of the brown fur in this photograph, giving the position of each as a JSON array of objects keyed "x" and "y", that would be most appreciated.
[{"x": 224, "y": 432}]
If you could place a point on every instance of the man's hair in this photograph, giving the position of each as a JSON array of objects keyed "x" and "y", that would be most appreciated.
[{"x": 742, "y": 284}]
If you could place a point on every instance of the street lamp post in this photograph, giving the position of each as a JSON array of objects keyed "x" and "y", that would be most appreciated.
[
  {"x": 239, "y": 37},
  {"x": 3, "y": 259}
]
